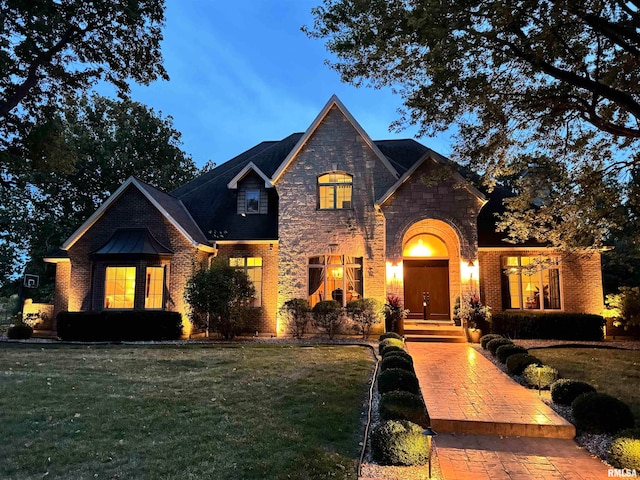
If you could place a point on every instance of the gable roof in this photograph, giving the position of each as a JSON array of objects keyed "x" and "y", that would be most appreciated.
[
  {"x": 233, "y": 183},
  {"x": 334, "y": 101},
  {"x": 169, "y": 206}
]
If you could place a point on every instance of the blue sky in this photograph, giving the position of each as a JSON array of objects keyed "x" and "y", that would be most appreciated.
[{"x": 243, "y": 72}]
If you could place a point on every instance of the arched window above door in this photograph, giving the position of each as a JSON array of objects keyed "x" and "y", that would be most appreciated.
[{"x": 425, "y": 245}]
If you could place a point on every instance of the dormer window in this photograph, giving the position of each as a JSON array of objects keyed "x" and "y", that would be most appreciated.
[
  {"x": 252, "y": 201},
  {"x": 335, "y": 191}
]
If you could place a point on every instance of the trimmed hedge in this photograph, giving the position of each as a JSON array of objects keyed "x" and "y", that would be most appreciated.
[
  {"x": 398, "y": 379},
  {"x": 503, "y": 352},
  {"x": 398, "y": 442},
  {"x": 400, "y": 405},
  {"x": 399, "y": 353},
  {"x": 565, "y": 391},
  {"x": 487, "y": 338},
  {"x": 394, "y": 361},
  {"x": 518, "y": 362},
  {"x": 21, "y": 331},
  {"x": 116, "y": 326},
  {"x": 556, "y": 326},
  {"x": 493, "y": 345},
  {"x": 601, "y": 413},
  {"x": 388, "y": 343},
  {"x": 390, "y": 349},
  {"x": 390, "y": 335},
  {"x": 539, "y": 377},
  {"x": 624, "y": 451}
]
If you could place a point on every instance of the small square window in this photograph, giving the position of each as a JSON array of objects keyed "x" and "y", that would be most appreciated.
[{"x": 252, "y": 201}]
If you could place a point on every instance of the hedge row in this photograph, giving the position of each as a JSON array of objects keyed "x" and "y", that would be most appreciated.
[
  {"x": 556, "y": 326},
  {"x": 116, "y": 326},
  {"x": 398, "y": 439}
]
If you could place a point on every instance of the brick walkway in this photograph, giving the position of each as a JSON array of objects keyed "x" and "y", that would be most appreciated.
[{"x": 491, "y": 428}]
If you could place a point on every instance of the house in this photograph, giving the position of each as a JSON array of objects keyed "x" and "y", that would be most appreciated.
[{"x": 324, "y": 214}]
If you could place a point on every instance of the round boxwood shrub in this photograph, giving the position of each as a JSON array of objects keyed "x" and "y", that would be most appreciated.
[
  {"x": 388, "y": 343},
  {"x": 389, "y": 349},
  {"x": 503, "y": 352},
  {"x": 518, "y": 362},
  {"x": 487, "y": 338},
  {"x": 601, "y": 413},
  {"x": 539, "y": 376},
  {"x": 493, "y": 345},
  {"x": 394, "y": 361},
  {"x": 565, "y": 391},
  {"x": 399, "y": 353},
  {"x": 20, "y": 331},
  {"x": 398, "y": 379},
  {"x": 624, "y": 451},
  {"x": 399, "y": 405},
  {"x": 399, "y": 442},
  {"x": 390, "y": 335}
]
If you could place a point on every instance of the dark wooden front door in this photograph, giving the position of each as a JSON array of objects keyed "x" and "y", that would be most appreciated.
[{"x": 427, "y": 276}]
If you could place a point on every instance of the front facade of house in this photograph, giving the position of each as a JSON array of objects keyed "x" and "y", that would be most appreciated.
[{"x": 324, "y": 214}]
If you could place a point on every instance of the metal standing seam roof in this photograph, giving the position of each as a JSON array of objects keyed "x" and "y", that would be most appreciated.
[{"x": 133, "y": 241}]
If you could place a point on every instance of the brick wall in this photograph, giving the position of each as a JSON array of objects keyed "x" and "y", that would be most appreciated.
[
  {"x": 580, "y": 279},
  {"x": 131, "y": 210},
  {"x": 305, "y": 231},
  {"x": 269, "y": 254}
]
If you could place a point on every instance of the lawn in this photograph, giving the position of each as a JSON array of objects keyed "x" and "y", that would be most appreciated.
[
  {"x": 161, "y": 412},
  {"x": 612, "y": 371}
]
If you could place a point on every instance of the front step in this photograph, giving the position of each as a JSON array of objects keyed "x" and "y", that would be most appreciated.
[{"x": 431, "y": 331}]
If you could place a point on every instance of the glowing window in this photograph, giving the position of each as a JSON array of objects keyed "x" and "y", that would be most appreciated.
[
  {"x": 335, "y": 277},
  {"x": 335, "y": 191},
  {"x": 119, "y": 287},
  {"x": 425, "y": 245},
  {"x": 252, "y": 266},
  {"x": 530, "y": 283},
  {"x": 154, "y": 288}
]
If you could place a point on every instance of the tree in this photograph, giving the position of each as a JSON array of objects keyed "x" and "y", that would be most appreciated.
[
  {"x": 109, "y": 140},
  {"x": 545, "y": 94},
  {"x": 219, "y": 298},
  {"x": 50, "y": 50}
]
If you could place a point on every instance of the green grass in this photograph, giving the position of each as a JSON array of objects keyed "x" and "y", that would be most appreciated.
[
  {"x": 215, "y": 412},
  {"x": 612, "y": 371}
]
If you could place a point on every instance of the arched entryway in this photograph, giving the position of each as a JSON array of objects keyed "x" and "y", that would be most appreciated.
[{"x": 431, "y": 271}]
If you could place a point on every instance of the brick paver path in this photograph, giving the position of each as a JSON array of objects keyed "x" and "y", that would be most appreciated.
[{"x": 491, "y": 428}]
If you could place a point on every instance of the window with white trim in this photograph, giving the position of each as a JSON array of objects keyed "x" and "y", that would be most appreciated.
[
  {"x": 120, "y": 287},
  {"x": 252, "y": 266},
  {"x": 154, "y": 288},
  {"x": 531, "y": 283}
]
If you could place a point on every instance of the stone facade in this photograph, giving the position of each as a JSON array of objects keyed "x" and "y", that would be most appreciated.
[{"x": 306, "y": 231}]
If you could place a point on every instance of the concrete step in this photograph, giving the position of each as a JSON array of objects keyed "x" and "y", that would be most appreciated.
[
  {"x": 435, "y": 338},
  {"x": 505, "y": 428}
]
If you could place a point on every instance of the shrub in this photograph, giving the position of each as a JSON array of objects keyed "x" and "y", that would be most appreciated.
[
  {"x": 327, "y": 317},
  {"x": 399, "y": 405},
  {"x": 487, "y": 338},
  {"x": 394, "y": 361},
  {"x": 390, "y": 349},
  {"x": 389, "y": 342},
  {"x": 115, "y": 326},
  {"x": 601, "y": 413},
  {"x": 503, "y": 352},
  {"x": 398, "y": 379},
  {"x": 19, "y": 331},
  {"x": 558, "y": 326},
  {"x": 365, "y": 313},
  {"x": 398, "y": 442},
  {"x": 518, "y": 362},
  {"x": 399, "y": 353},
  {"x": 624, "y": 451},
  {"x": 493, "y": 345},
  {"x": 539, "y": 376},
  {"x": 297, "y": 314},
  {"x": 390, "y": 335},
  {"x": 565, "y": 391}
]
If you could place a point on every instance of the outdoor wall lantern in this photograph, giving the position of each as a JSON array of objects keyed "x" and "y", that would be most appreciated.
[{"x": 429, "y": 433}]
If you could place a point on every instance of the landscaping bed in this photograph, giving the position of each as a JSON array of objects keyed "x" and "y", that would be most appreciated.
[{"x": 185, "y": 411}]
